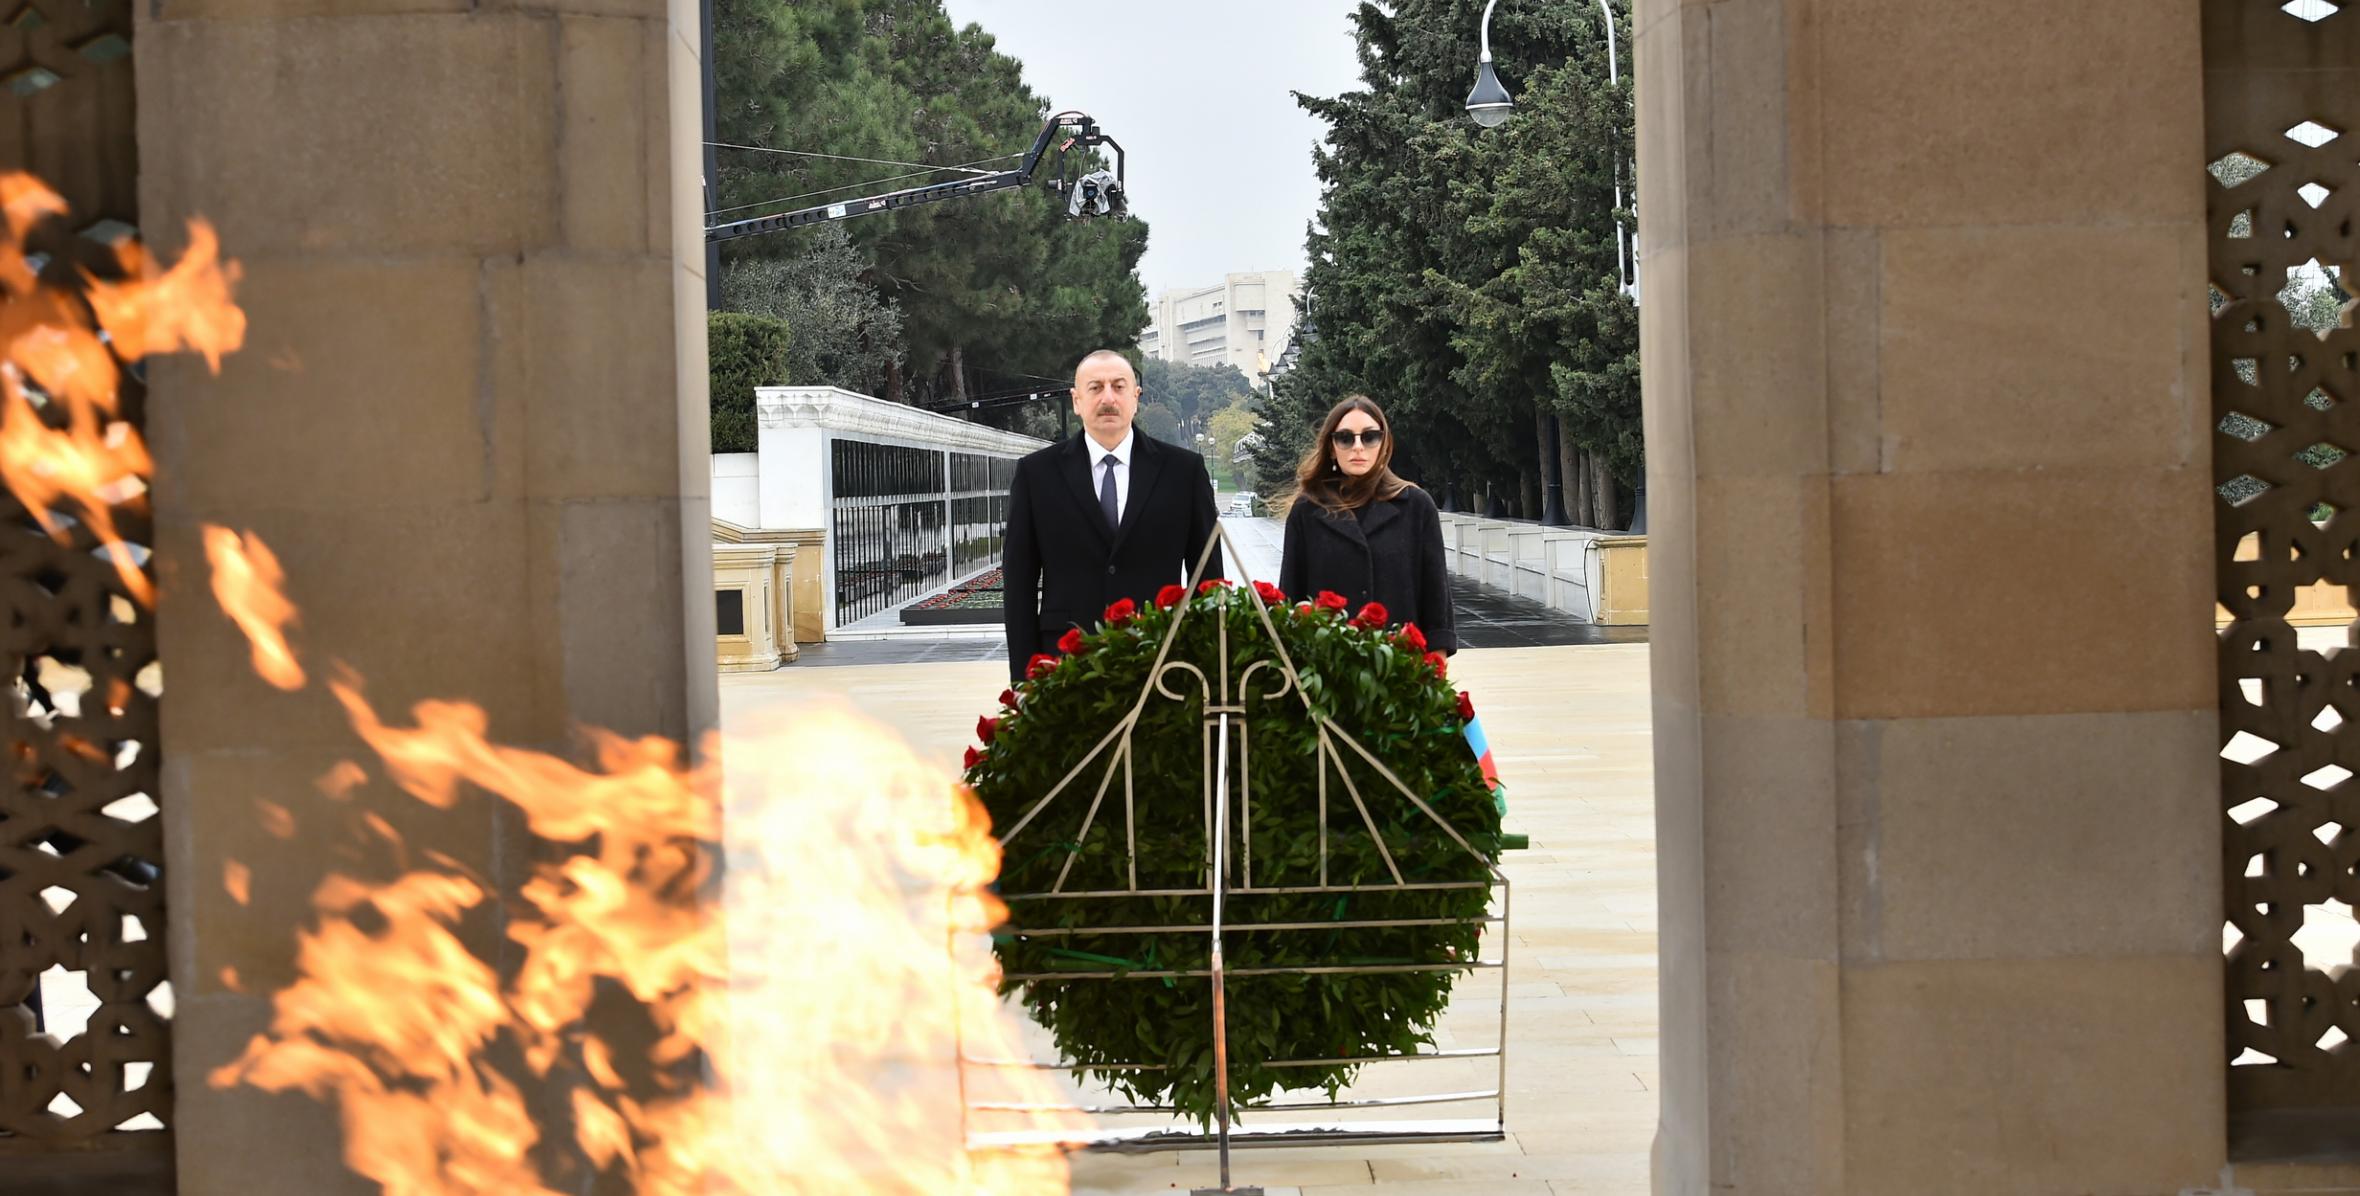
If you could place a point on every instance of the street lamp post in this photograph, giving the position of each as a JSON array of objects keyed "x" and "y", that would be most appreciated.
[
  {"x": 712, "y": 180},
  {"x": 1490, "y": 105}
]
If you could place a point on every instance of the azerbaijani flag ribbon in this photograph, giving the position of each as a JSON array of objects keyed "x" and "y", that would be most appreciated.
[{"x": 1491, "y": 770}]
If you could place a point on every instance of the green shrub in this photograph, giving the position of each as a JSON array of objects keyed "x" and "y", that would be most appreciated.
[{"x": 743, "y": 352}]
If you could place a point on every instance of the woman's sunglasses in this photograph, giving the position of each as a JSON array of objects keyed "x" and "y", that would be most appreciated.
[{"x": 1368, "y": 439}]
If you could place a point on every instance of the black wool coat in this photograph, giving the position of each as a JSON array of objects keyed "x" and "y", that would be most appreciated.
[
  {"x": 1388, "y": 552},
  {"x": 1061, "y": 567}
]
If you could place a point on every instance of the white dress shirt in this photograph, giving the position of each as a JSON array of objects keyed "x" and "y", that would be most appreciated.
[{"x": 1121, "y": 467}]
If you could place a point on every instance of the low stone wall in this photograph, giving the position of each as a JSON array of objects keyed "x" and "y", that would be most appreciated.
[
  {"x": 1599, "y": 577},
  {"x": 766, "y": 593}
]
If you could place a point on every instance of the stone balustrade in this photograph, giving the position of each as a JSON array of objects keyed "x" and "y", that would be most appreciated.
[{"x": 1597, "y": 576}]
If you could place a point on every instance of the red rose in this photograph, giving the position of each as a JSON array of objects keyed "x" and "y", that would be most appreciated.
[
  {"x": 1008, "y": 698},
  {"x": 1122, "y": 611},
  {"x": 1412, "y": 638},
  {"x": 1373, "y": 615},
  {"x": 985, "y": 728},
  {"x": 1466, "y": 707},
  {"x": 1331, "y": 600},
  {"x": 1271, "y": 595},
  {"x": 1041, "y": 665},
  {"x": 1170, "y": 596},
  {"x": 973, "y": 757},
  {"x": 1211, "y": 584},
  {"x": 1071, "y": 642},
  {"x": 1441, "y": 663}
]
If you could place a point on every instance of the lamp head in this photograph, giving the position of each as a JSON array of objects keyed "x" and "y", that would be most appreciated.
[{"x": 1489, "y": 104}]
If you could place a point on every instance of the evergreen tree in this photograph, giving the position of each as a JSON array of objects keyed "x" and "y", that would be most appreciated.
[
  {"x": 1543, "y": 315},
  {"x": 1456, "y": 273},
  {"x": 992, "y": 293},
  {"x": 1191, "y": 393},
  {"x": 843, "y": 334}
]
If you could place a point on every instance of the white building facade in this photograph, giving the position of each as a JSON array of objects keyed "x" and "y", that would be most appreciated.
[{"x": 1245, "y": 321}]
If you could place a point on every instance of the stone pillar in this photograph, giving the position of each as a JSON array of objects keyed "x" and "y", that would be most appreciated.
[
  {"x": 470, "y": 418},
  {"x": 1925, "y": 359}
]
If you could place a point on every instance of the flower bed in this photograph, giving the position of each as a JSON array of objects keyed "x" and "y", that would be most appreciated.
[
  {"x": 1375, "y": 684},
  {"x": 976, "y": 600}
]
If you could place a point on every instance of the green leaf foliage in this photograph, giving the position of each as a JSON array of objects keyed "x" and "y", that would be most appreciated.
[
  {"x": 1192, "y": 393},
  {"x": 743, "y": 352},
  {"x": 1370, "y": 685},
  {"x": 844, "y": 334}
]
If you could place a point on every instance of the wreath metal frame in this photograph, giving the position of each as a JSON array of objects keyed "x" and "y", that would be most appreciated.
[{"x": 1228, "y": 874}]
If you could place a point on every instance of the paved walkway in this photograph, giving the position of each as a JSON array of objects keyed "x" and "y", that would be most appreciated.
[{"x": 1570, "y": 728}]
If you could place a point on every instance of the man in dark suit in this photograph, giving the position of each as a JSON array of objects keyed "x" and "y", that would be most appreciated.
[{"x": 1107, "y": 515}]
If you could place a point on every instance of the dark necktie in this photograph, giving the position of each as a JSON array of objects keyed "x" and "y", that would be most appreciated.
[{"x": 1106, "y": 502}]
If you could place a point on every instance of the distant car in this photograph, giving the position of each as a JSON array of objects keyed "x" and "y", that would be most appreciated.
[{"x": 1244, "y": 504}]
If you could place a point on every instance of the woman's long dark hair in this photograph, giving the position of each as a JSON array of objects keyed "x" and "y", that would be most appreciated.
[{"x": 1324, "y": 482}]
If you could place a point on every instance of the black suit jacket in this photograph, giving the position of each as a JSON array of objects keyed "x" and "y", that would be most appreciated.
[
  {"x": 1388, "y": 552},
  {"x": 1062, "y": 567}
]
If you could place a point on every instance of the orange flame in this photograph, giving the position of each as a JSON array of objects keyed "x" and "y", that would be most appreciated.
[
  {"x": 829, "y": 1004},
  {"x": 246, "y": 581},
  {"x": 807, "y": 1040},
  {"x": 277, "y": 821},
  {"x": 820, "y": 1056},
  {"x": 341, "y": 779},
  {"x": 64, "y": 452},
  {"x": 186, "y": 308}
]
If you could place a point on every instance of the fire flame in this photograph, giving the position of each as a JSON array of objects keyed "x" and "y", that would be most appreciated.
[
  {"x": 806, "y": 1042},
  {"x": 246, "y": 581},
  {"x": 63, "y": 443},
  {"x": 793, "y": 1027}
]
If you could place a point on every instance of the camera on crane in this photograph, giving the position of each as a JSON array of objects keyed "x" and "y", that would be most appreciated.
[{"x": 1098, "y": 193}]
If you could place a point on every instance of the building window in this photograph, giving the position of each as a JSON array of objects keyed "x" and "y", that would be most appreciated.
[{"x": 729, "y": 612}]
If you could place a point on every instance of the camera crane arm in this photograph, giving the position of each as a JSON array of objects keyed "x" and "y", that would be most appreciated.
[{"x": 1086, "y": 136}]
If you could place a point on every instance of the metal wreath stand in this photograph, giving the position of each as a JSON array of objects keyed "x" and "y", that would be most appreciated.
[{"x": 1225, "y": 700}]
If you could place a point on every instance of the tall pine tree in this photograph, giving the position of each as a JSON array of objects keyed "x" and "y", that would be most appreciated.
[
  {"x": 1465, "y": 277},
  {"x": 990, "y": 293}
]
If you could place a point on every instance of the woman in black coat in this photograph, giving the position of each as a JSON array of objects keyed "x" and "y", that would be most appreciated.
[{"x": 1359, "y": 529}]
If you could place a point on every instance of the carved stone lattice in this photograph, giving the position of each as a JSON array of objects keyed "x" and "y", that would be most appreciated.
[
  {"x": 70, "y": 108},
  {"x": 85, "y": 1050},
  {"x": 2282, "y": 128},
  {"x": 81, "y": 893}
]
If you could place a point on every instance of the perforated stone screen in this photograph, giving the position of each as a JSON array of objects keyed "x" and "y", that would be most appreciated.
[
  {"x": 2282, "y": 126},
  {"x": 85, "y": 1050}
]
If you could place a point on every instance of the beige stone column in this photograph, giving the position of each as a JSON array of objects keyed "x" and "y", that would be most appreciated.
[
  {"x": 470, "y": 418},
  {"x": 1925, "y": 355}
]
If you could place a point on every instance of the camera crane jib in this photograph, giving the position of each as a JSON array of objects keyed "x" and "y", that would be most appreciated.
[{"x": 1097, "y": 193}]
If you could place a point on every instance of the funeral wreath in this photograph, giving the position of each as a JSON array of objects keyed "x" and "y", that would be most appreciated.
[{"x": 1135, "y": 997}]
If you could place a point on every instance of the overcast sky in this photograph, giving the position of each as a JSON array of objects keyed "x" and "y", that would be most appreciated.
[{"x": 1219, "y": 155}]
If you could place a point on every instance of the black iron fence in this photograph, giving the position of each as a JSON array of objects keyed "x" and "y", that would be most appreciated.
[
  {"x": 979, "y": 509},
  {"x": 910, "y": 520}
]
